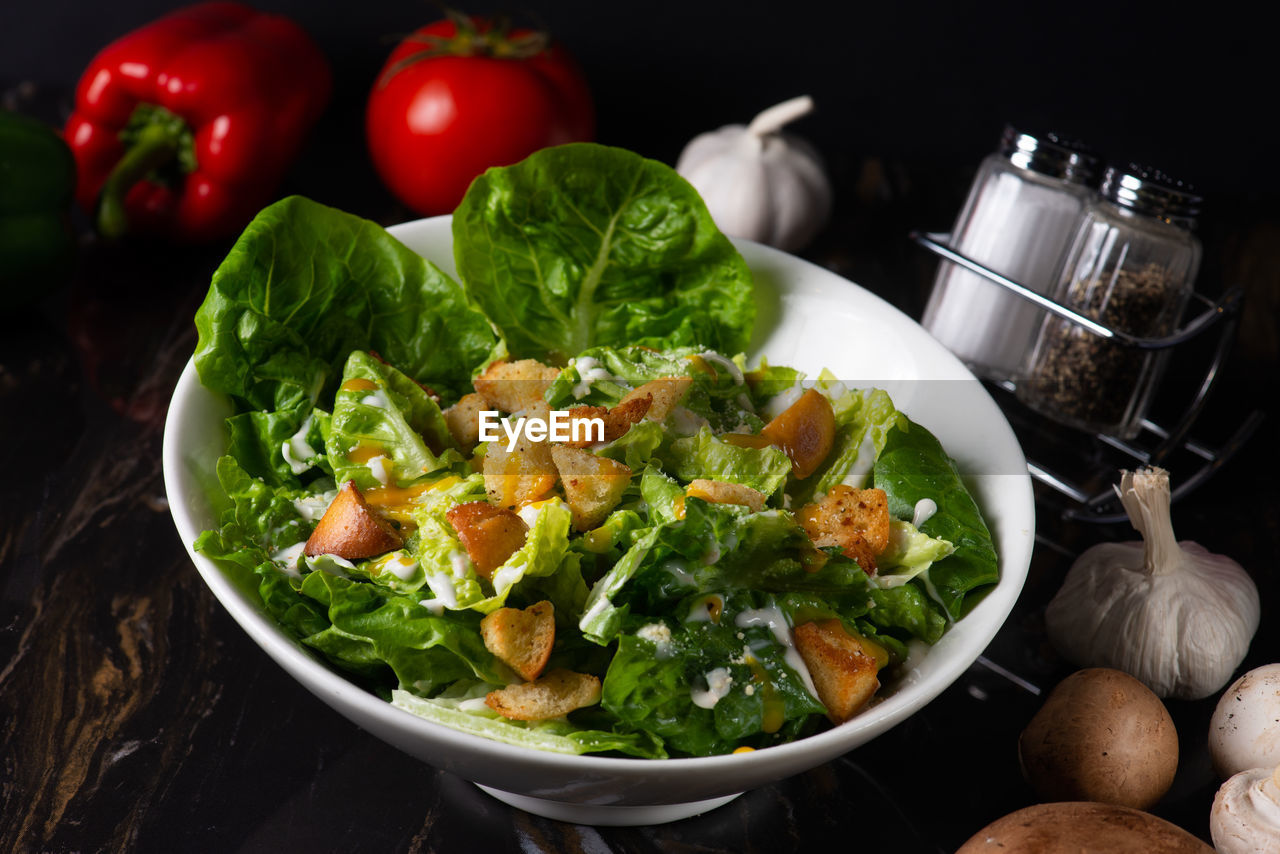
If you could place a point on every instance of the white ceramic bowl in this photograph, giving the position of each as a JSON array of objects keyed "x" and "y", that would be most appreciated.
[{"x": 808, "y": 318}]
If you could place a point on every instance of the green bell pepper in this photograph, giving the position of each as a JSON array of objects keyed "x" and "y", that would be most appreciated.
[{"x": 37, "y": 178}]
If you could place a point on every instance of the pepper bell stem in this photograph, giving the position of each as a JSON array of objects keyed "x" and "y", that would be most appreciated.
[{"x": 155, "y": 146}]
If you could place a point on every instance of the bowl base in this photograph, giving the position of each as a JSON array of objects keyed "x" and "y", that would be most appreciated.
[{"x": 605, "y": 815}]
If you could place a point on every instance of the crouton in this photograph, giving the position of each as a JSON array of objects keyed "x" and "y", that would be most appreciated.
[
  {"x": 843, "y": 666},
  {"x": 616, "y": 421},
  {"x": 515, "y": 386},
  {"x": 630, "y": 410},
  {"x": 856, "y": 520},
  {"x": 351, "y": 530},
  {"x": 553, "y": 695},
  {"x": 664, "y": 393},
  {"x": 587, "y": 435},
  {"x": 719, "y": 492},
  {"x": 805, "y": 431},
  {"x": 593, "y": 485},
  {"x": 489, "y": 534},
  {"x": 463, "y": 419},
  {"x": 526, "y": 473},
  {"x": 521, "y": 639}
]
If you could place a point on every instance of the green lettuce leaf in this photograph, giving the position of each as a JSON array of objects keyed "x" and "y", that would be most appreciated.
[
  {"x": 464, "y": 710},
  {"x": 378, "y": 410},
  {"x": 913, "y": 466},
  {"x": 304, "y": 286},
  {"x": 582, "y": 245},
  {"x": 708, "y": 456}
]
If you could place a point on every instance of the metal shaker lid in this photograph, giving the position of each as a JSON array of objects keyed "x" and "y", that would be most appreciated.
[
  {"x": 1149, "y": 191},
  {"x": 1050, "y": 154}
]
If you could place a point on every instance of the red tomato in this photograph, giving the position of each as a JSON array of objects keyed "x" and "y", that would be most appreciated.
[{"x": 459, "y": 96}]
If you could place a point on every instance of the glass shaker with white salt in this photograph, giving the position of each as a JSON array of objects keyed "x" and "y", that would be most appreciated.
[{"x": 1023, "y": 209}]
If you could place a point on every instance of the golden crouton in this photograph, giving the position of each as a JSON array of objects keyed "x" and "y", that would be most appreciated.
[
  {"x": 856, "y": 520},
  {"x": 515, "y": 386},
  {"x": 521, "y": 639},
  {"x": 592, "y": 485},
  {"x": 805, "y": 431},
  {"x": 463, "y": 419},
  {"x": 351, "y": 530},
  {"x": 843, "y": 667},
  {"x": 587, "y": 435},
  {"x": 616, "y": 421},
  {"x": 489, "y": 534},
  {"x": 630, "y": 410},
  {"x": 526, "y": 473},
  {"x": 719, "y": 492},
  {"x": 556, "y": 694},
  {"x": 664, "y": 392}
]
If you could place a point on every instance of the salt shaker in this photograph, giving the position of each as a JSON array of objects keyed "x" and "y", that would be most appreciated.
[
  {"x": 1024, "y": 206},
  {"x": 1131, "y": 267}
]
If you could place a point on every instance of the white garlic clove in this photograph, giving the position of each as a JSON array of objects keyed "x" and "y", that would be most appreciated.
[{"x": 758, "y": 182}]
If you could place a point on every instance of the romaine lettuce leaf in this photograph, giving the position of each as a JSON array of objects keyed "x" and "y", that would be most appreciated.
[
  {"x": 582, "y": 245},
  {"x": 465, "y": 711},
  {"x": 706, "y": 455},
  {"x": 384, "y": 427},
  {"x": 659, "y": 677},
  {"x": 305, "y": 285},
  {"x": 913, "y": 466}
]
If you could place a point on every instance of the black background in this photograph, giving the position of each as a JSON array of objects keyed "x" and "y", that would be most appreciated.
[
  {"x": 1187, "y": 88},
  {"x": 217, "y": 750}
]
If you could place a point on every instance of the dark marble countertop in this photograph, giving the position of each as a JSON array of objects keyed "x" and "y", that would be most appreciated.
[{"x": 136, "y": 715}]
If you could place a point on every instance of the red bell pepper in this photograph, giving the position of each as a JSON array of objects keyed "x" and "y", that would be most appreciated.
[{"x": 186, "y": 125}]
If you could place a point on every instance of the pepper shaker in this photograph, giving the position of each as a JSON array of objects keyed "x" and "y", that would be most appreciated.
[
  {"x": 1131, "y": 267},
  {"x": 1023, "y": 209}
]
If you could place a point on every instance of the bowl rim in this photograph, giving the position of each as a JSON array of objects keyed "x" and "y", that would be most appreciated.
[{"x": 329, "y": 684}]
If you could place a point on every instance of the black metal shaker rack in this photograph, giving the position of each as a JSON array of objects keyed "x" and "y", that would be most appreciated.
[{"x": 1083, "y": 480}]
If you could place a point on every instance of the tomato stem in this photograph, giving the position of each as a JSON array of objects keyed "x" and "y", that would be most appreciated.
[{"x": 472, "y": 37}]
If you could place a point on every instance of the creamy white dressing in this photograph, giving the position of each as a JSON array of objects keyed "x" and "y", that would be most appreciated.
[
  {"x": 435, "y": 606},
  {"x": 924, "y": 510},
  {"x": 728, "y": 365},
  {"x": 529, "y": 514},
  {"x": 377, "y": 399},
  {"x": 401, "y": 566},
  {"x": 313, "y": 507},
  {"x": 589, "y": 372},
  {"x": 441, "y": 584},
  {"x": 295, "y": 450},
  {"x": 288, "y": 557},
  {"x": 505, "y": 576},
  {"x": 863, "y": 463},
  {"x": 719, "y": 682},
  {"x": 680, "y": 571},
  {"x": 475, "y": 704},
  {"x": 701, "y": 612},
  {"x": 776, "y": 621},
  {"x": 380, "y": 467}
]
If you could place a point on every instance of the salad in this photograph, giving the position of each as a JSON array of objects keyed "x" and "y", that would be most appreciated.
[{"x": 553, "y": 503}]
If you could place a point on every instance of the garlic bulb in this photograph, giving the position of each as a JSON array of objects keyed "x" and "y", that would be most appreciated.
[
  {"x": 1169, "y": 613},
  {"x": 1246, "y": 813},
  {"x": 760, "y": 183}
]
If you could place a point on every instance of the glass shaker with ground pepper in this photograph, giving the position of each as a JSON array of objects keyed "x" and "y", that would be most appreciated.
[{"x": 1131, "y": 267}]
